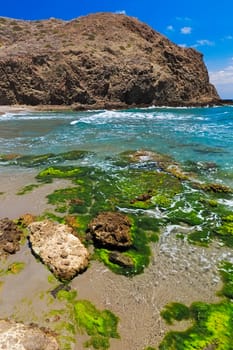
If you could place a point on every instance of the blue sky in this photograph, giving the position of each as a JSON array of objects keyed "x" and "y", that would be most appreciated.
[{"x": 206, "y": 25}]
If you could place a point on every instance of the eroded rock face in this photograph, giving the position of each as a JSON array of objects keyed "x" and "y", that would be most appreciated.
[
  {"x": 10, "y": 236},
  {"x": 17, "y": 336},
  {"x": 58, "y": 248},
  {"x": 99, "y": 61},
  {"x": 111, "y": 229}
]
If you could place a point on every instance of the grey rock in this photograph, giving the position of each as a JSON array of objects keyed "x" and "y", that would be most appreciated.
[{"x": 17, "y": 336}]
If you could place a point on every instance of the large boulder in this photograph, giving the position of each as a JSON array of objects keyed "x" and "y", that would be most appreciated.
[
  {"x": 58, "y": 248},
  {"x": 102, "y": 60},
  {"x": 17, "y": 336},
  {"x": 111, "y": 229}
]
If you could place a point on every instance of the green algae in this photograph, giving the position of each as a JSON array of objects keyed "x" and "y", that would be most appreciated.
[
  {"x": 208, "y": 220},
  {"x": 12, "y": 269},
  {"x": 227, "y": 226},
  {"x": 201, "y": 237},
  {"x": 175, "y": 311},
  {"x": 82, "y": 317},
  {"x": 15, "y": 268},
  {"x": 146, "y": 189},
  {"x": 138, "y": 189},
  {"x": 100, "y": 192},
  {"x": 224, "y": 231},
  {"x": 189, "y": 217},
  {"x": 212, "y": 324},
  {"x": 100, "y": 325},
  {"x": 72, "y": 199},
  {"x": 212, "y": 327},
  {"x": 51, "y": 216},
  {"x": 27, "y": 189},
  {"x": 226, "y": 272},
  {"x": 50, "y": 173}
]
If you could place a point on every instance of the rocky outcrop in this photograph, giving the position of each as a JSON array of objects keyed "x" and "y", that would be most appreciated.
[
  {"x": 17, "y": 336},
  {"x": 111, "y": 229},
  {"x": 10, "y": 236},
  {"x": 58, "y": 248},
  {"x": 101, "y": 60}
]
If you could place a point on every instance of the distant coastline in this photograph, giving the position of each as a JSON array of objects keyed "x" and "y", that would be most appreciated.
[{"x": 108, "y": 106}]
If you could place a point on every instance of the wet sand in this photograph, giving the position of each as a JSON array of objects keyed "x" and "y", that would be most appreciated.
[
  {"x": 35, "y": 202},
  {"x": 178, "y": 272},
  {"x": 26, "y": 108}
]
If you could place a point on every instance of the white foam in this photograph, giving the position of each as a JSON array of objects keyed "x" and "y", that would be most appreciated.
[{"x": 227, "y": 202}]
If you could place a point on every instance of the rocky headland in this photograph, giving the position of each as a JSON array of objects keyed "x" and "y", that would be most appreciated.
[{"x": 102, "y": 60}]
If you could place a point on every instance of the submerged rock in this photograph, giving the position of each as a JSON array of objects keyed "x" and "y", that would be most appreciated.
[
  {"x": 111, "y": 229},
  {"x": 121, "y": 260},
  {"x": 10, "y": 236},
  {"x": 58, "y": 248},
  {"x": 17, "y": 336}
]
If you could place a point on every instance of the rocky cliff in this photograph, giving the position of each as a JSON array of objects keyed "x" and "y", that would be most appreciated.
[{"x": 101, "y": 60}]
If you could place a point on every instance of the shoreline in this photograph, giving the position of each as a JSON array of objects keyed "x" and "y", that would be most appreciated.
[{"x": 103, "y": 105}]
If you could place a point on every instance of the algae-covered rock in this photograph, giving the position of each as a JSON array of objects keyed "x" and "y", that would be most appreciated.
[
  {"x": 32, "y": 160},
  {"x": 10, "y": 236},
  {"x": 213, "y": 187},
  {"x": 17, "y": 336},
  {"x": 111, "y": 229},
  {"x": 58, "y": 248},
  {"x": 121, "y": 259},
  {"x": 145, "y": 159}
]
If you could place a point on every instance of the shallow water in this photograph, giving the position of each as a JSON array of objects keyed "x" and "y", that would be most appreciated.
[{"x": 197, "y": 134}]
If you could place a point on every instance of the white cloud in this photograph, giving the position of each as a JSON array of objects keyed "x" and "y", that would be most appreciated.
[
  {"x": 186, "y": 30},
  {"x": 224, "y": 76},
  {"x": 204, "y": 42},
  {"x": 121, "y": 12},
  {"x": 223, "y": 81},
  {"x": 170, "y": 28},
  {"x": 182, "y": 45},
  {"x": 184, "y": 19}
]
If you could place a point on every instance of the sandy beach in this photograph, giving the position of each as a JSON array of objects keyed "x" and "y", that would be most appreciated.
[{"x": 27, "y": 108}]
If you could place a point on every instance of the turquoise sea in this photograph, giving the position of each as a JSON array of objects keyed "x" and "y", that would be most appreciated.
[{"x": 187, "y": 134}]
